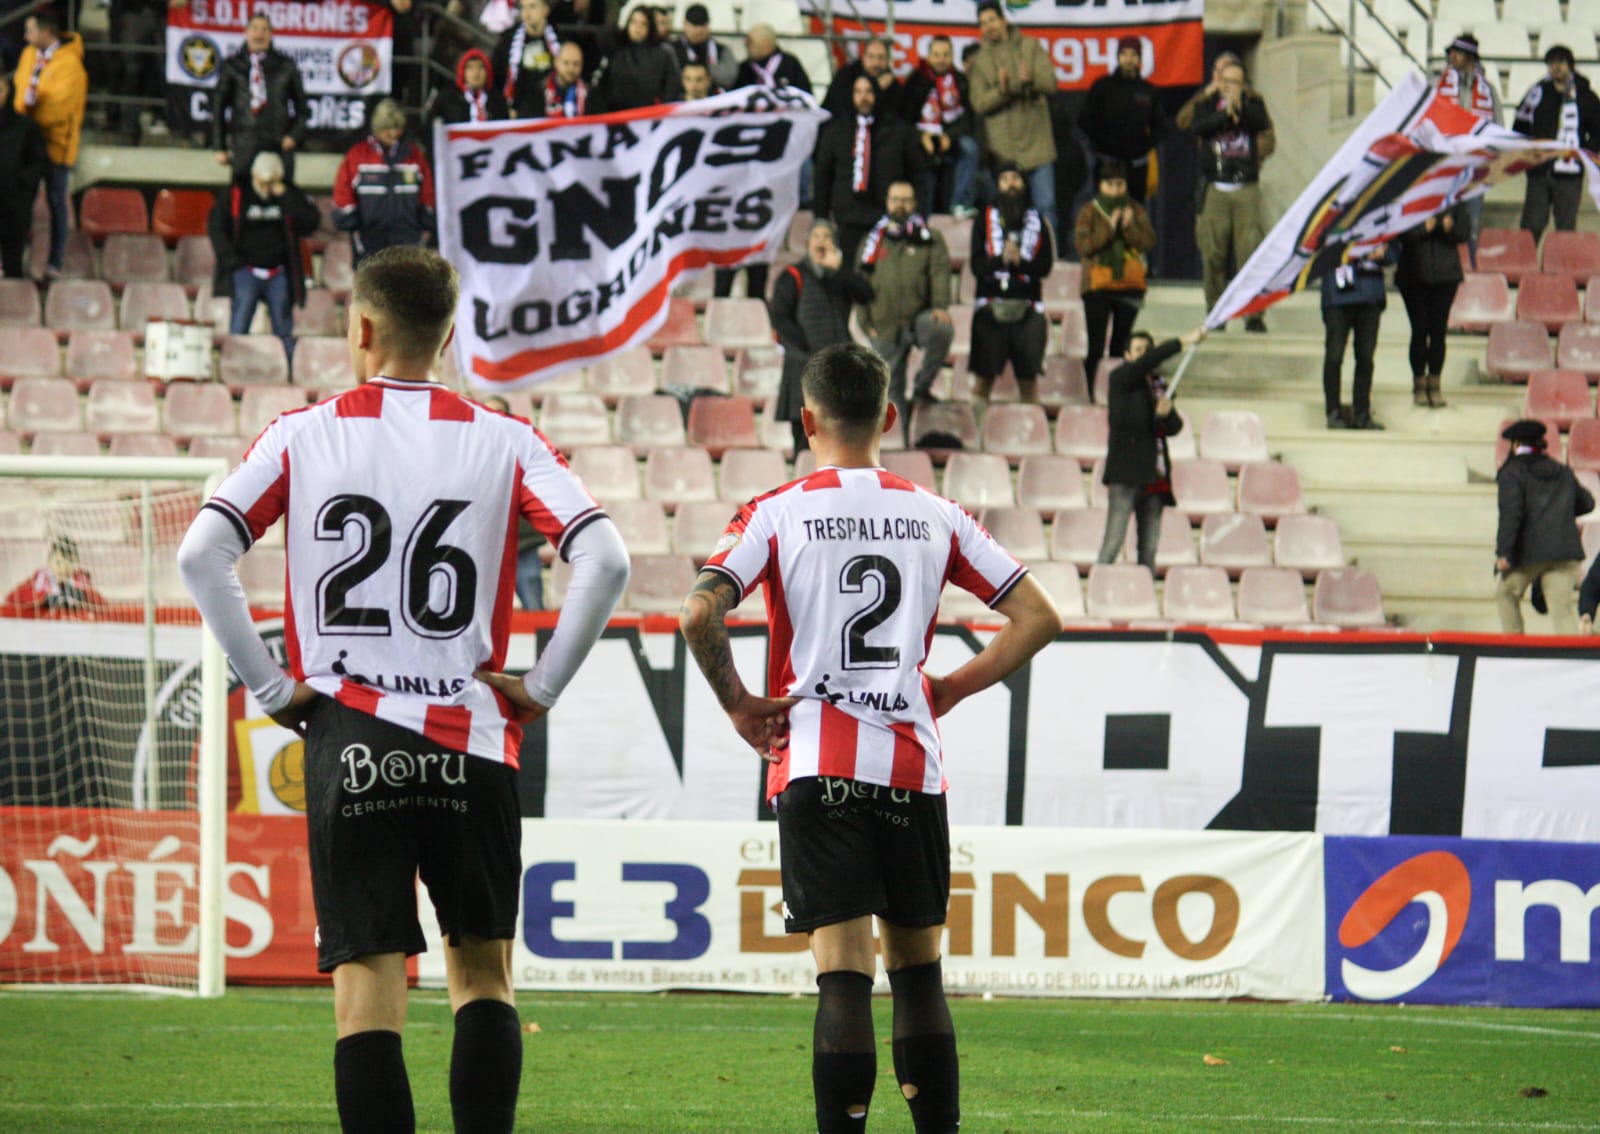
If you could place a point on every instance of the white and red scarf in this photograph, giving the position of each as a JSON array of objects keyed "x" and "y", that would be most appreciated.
[
  {"x": 1482, "y": 93},
  {"x": 519, "y": 43},
  {"x": 943, "y": 105},
  {"x": 861, "y": 155},
  {"x": 767, "y": 69},
  {"x": 913, "y": 230},
  {"x": 258, "y": 82},
  {"x": 570, "y": 103},
  {"x": 994, "y": 233},
  {"x": 477, "y": 105},
  {"x": 31, "y": 95}
]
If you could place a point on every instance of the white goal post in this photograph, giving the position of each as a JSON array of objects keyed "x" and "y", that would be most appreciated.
[{"x": 115, "y": 845}]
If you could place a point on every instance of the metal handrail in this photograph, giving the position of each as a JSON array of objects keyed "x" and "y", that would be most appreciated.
[{"x": 1347, "y": 33}]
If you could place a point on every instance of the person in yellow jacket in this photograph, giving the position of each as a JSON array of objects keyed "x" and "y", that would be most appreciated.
[{"x": 52, "y": 88}]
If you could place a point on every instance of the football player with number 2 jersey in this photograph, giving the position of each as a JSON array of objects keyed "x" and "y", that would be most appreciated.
[{"x": 853, "y": 560}]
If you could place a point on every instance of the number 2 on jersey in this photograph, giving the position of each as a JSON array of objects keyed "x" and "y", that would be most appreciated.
[{"x": 853, "y": 581}]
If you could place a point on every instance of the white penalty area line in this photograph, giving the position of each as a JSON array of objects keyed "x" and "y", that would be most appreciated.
[
  {"x": 1272, "y": 1121},
  {"x": 273, "y": 1105}
]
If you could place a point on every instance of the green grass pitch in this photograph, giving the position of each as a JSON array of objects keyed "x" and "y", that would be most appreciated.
[{"x": 261, "y": 1060}]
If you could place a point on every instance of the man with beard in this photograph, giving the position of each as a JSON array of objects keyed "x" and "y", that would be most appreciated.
[
  {"x": 525, "y": 54},
  {"x": 1123, "y": 116},
  {"x": 695, "y": 45},
  {"x": 909, "y": 267},
  {"x": 858, "y": 158},
  {"x": 23, "y": 161},
  {"x": 563, "y": 93},
  {"x": 873, "y": 62},
  {"x": 1012, "y": 252},
  {"x": 937, "y": 101},
  {"x": 259, "y": 105},
  {"x": 1563, "y": 105}
]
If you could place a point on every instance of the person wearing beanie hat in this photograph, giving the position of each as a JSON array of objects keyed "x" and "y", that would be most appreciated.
[
  {"x": 696, "y": 44},
  {"x": 1464, "y": 81},
  {"x": 1122, "y": 116},
  {"x": 1537, "y": 541},
  {"x": 383, "y": 192},
  {"x": 1113, "y": 235},
  {"x": 475, "y": 97},
  {"x": 1562, "y": 106}
]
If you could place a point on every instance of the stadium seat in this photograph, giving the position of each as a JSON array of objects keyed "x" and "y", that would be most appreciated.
[
  {"x": 142, "y": 302},
  {"x": 121, "y": 407},
  {"x": 1578, "y": 348},
  {"x": 757, "y": 373},
  {"x": 642, "y": 525},
  {"x": 44, "y": 405},
  {"x": 73, "y": 443},
  {"x": 1273, "y": 596},
  {"x": 680, "y": 328},
  {"x": 1234, "y": 542},
  {"x": 738, "y": 324},
  {"x": 649, "y": 421},
  {"x": 1061, "y": 382},
  {"x": 659, "y": 583},
  {"x": 674, "y": 475},
  {"x": 1074, "y": 332},
  {"x": 574, "y": 419},
  {"x": 196, "y": 262},
  {"x": 10, "y": 443},
  {"x": 697, "y": 525},
  {"x": 1197, "y": 595},
  {"x": 1081, "y": 433},
  {"x": 957, "y": 237},
  {"x": 718, "y": 424},
  {"x": 1121, "y": 592},
  {"x": 79, "y": 305},
  {"x": 28, "y": 352},
  {"x": 181, "y": 212},
  {"x": 697, "y": 289},
  {"x": 957, "y": 605},
  {"x": 1018, "y": 530},
  {"x": 1201, "y": 488},
  {"x": 1509, "y": 251},
  {"x": 1573, "y": 254},
  {"x": 1076, "y": 535},
  {"x": 805, "y": 463},
  {"x": 228, "y": 448},
  {"x": 626, "y": 374},
  {"x": 325, "y": 230},
  {"x": 1482, "y": 300},
  {"x": 1099, "y": 496},
  {"x": 19, "y": 304},
  {"x": 1061, "y": 289},
  {"x": 1270, "y": 490},
  {"x": 142, "y": 445},
  {"x": 1548, "y": 299},
  {"x": 1234, "y": 437},
  {"x": 133, "y": 258},
  {"x": 1505, "y": 39},
  {"x": 1175, "y": 548},
  {"x": 1016, "y": 431},
  {"x": 978, "y": 480},
  {"x": 77, "y": 258},
  {"x": 954, "y": 418},
  {"x": 1517, "y": 350},
  {"x": 253, "y": 360},
  {"x": 961, "y": 320},
  {"x": 1050, "y": 484},
  {"x": 1561, "y": 396},
  {"x": 695, "y": 368},
  {"x": 105, "y": 211},
  {"x": 567, "y": 382},
  {"x": 338, "y": 267},
  {"x": 323, "y": 363},
  {"x": 198, "y": 409},
  {"x": 1583, "y": 445},
  {"x": 609, "y": 472},
  {"x": 319, "y": 316},
  {"x": 94, "y": 355},
  {"x": 260, "y": 405},
  {"x": 1579, "y": 37},
  {"x": 744, "y": 474},
  {"x": 1308, "y": 544},
  {"x": 1061, "y": 582},
  {"x": 1349, "y": 597},
  {"x": 1101, "y": 381},
  {"x": 913, "y": 465},
  {"x": 1183, "y": 445}
]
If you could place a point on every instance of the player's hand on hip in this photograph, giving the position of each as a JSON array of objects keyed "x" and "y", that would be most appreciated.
[
  {"x": 523, "y": 707},
  {"x": 940, "y": 695},
  {"x": 763, "y": 723},
  {"x": 293, "y": 715}
]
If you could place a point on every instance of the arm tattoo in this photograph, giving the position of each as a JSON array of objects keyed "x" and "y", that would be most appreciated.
[{"x": 711, "y": 599}]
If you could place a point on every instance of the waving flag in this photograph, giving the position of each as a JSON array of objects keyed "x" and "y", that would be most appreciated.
[{"x": 1415, "y": 155}]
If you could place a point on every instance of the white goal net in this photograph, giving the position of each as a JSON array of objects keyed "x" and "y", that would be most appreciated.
[{"x": 112, "y": 717}]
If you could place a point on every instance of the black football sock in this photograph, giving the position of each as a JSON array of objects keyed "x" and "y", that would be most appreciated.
[
  {"x": 369, "y": 1080},
  {"x": 486, "y": 1068},
  {"x": 844, "y": 1064},
  {"x": 925, "y": 1049}
]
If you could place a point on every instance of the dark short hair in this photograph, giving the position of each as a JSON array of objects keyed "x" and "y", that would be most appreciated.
[
  {"x": 969, "y": 51},
  {"x": 411, "y": 294},
  {"x": 847, "y": 384},
  {"x": 696, "y": 15},
  {"x": 1560, "y": 53},
  {"x": 1149, "y": 339},
  {"x": 259, "y": 15},
  {"x": 940, "y": 38},
  {"x": 989, "y": 6},
  {"x": 694, "y": 63},
  {"x": 1112, "y": 169},
  {"x": 47, "y": 20}
]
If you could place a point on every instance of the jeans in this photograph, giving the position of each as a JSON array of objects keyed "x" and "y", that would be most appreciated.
[
  {"x": 1475, "y": 211},
  {"x": 249, "y": 290},
  {"x": 961, "y": 165},
  {"x": 530, "y": 580},
  {"x": 1042, "y": 188},
  {"x": 755, "y": 281},
  {"x": 934, "y": 338},
  {"x": 57, "y": 180},
  {"x": 1122, "y": 501},
  {"x": 1340, "y": 321}
]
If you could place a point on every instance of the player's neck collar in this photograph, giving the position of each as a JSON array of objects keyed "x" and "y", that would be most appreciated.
[{"x": 403, "y": 383}]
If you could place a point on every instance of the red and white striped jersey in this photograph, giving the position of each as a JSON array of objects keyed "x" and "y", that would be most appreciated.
[
  {"x": 853, "y": 562},
  {"x": 402, "y": 501}
]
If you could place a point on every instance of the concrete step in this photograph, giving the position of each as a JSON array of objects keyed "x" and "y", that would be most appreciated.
[
  {"x": 1437, "y": 572},
  {"x": 1384, "y": 467}
]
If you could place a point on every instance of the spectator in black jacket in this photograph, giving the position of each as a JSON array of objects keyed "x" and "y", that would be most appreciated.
[
  {"x": 768, "y": 65},
  {"x": 256, "y": 227},
  {"x": 858, "y": 158},
  {"x": 695, "y": 44},
  {"x": 1122, "y": 116},
  {"x": 1428, "y": 276},
  {"x": 939, "y": 104},
  {"x": 1538, "y": 541},
  {"x": 1233, "y": 128},
  {"x": 873, "y": 62},
  {"x": 1562, "y": 106},
  {"x": 139, "y": 74},
  {"x": 1012, "y": 252},
  {"x": 1138, "y": 474},
  {"x": 383, "y": 192},
  {"x": 474, "y": 98},
  {"x": 23, "y": 161},
  {"x": 641, "y": 70},
  {"x": 563, "y": 93},
  {"x": 524, "y": 56},
  {"x": 259, "y": 105}
]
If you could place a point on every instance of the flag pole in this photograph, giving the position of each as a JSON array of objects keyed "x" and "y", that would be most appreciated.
[{"x": 1172, "y": 386}]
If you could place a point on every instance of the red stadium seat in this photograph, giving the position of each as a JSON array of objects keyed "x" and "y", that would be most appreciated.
[
  {"x": 253, "y": 360},
  {"x": 629, "y": 373},
  {"x": 567, "y": 382},
  {"x": 105, "y": 211},
  {"x": 609, "y": 472},
  {"x": 642, "y": 525},
  {"x": 1482, "y": 300},
  {"x": 676, "y": 475},
  {"x": 96, "y": 355},
  {"x": 133, "y": 258},
  {"x": 1578, "y": 348},
  {"x": 570, "y": 420},
  {"x": 679, "y": 329},
  {"x": 1308, "y": 544},
  {"x": 805, "y": 463},
  {"x": 1099, "y": 496},
  {"x": 1234, "y": 437},
  {"x": 319, "y": 316},
  {"x": 1183, "y": 445},
  {"x": 1061, "y": 382},
  {"x": 659, "y": 583},
  {"x": 1197, "y": 595},
  {"x": 1270, "y": 490},
  {"x": 198, "y": 409},
  {"x": 1121, "y": 592},
  {"x": 196, "y": 262},
  {"x": 955, "y": 418},
  {"x": 326, "y": 230},
  {"x": 230, "y": 449},
  {"x": 142, "y": 302},
  {"x": 957, "y": 237},
  {"x": 121, "y": 407},
  {"x": 1509, "y": 251},
  {"x": 75, "y": 443},
  {"x": 338, "y": 267},
  {"x": 260, "y": 405},
  {"x": 10, "y": 443},
  {"x": 695, "y": 367},
  {"x": 1201, "y": 489},
  {"x": 697, "y": 289},
  {"x": 1561, "y": 396},
  {"x": 718, "y": 424},
  {"x": 1019, "y": 531},
  {"x": 1060, "y": 581},
  {"x": 1101, "y": 392},
  {"x": 181, "y": 212},
  {"x": 978, "y": 480},
  {"x": 1062, "y": 289},
  {"x": 1346, "y": 596},
  {"x": 1050, "y": 484},
  {"x": 1548, "y": 299},
  {"x": 913, "y": 465},
  {"x": 697, "y": 525},
  {"x": 744, "y": 474},
  {"x": 650, "y": 421},
  {"x": 1016, "y": 431},
  {"x": 28, "y": 352},
  {"x": 142, "y": 445},
  {"x": 1081, "y": 433},
  {"x": 19, "y": 304},
  {"x": 77, "y": 258},
  {"x": 323, "y": 363},
  {"x": 1074, "y": 332},
  {"x": 757, "y": 373},
  {"x": 44, "y": 405},
  {"x": 1583, "y": 445},
  {"x": 738, "y": 324},
  {"x": 1575, "y": 254},
  {"x": 1273, "y": 596},
  {"x": 1076, "y": 535},
  {"x": 1234, "y": 542},
  {"x": 1175, "y": 548},
  {"x": 1517, "y": 350},
  {"x": 79, "y": 305}
]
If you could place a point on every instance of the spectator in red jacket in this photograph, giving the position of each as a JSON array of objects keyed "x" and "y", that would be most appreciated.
[
  {"x": 383, "y": 194},
  {"x": 59, "y": 589}
]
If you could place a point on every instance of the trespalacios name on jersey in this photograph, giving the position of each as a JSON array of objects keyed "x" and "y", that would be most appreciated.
[{"x": 867, "y": 527}]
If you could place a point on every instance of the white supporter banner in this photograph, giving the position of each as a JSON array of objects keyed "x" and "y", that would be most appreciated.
[
  {"x": 648, "y": 905},
  {"x": 570, "y": 234},
  {"x": 1115, "y": 13}
]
